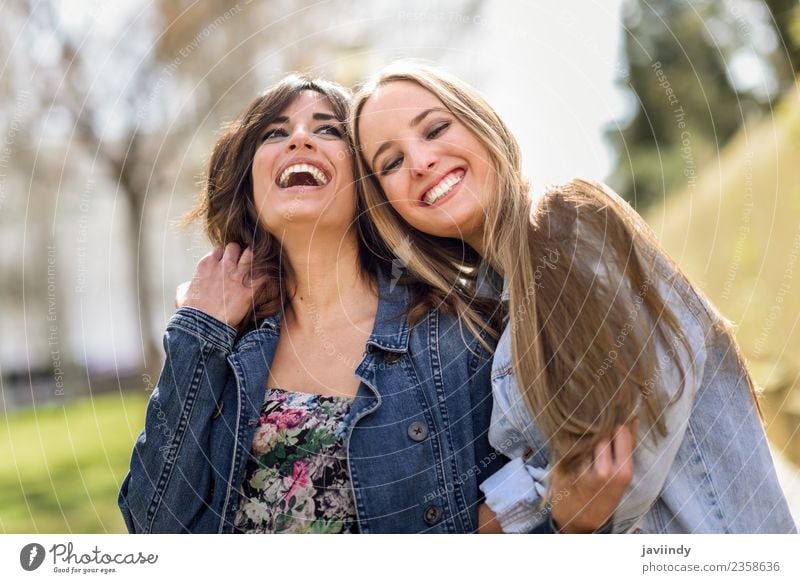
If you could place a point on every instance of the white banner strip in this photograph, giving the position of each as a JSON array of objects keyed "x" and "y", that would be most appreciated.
[{"x": 375, "y": 558}]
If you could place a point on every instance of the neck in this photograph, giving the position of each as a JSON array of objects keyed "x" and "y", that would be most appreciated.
[
  {"x": 328, "y": 282},
  {"x": 477, "y": 243}
]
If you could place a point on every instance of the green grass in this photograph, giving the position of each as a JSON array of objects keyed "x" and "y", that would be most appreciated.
[{"x": 61, "y": 466}]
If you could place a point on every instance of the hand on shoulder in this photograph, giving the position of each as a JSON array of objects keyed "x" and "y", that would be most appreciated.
[{"x": 223, "y": 285}]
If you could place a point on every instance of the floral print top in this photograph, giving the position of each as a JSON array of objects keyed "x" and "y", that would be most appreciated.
[{"x": 297, "y": 480}]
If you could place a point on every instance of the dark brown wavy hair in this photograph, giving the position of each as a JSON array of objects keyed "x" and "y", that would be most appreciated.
[{"x": 227, "y": 208}]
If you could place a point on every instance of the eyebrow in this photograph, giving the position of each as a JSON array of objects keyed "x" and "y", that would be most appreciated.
[
  {"x": 318, "y": 116},
  {"x": 413, "y": 123}
]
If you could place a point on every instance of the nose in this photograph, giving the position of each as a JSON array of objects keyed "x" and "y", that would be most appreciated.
[
  {"x": 301, "y": 140},
  {"x": 423, "y": 160}
]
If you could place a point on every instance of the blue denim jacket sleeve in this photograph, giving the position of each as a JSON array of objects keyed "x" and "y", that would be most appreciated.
[
  {"x": 169, "y": 459},
  {"x": 515, "y": 491}
]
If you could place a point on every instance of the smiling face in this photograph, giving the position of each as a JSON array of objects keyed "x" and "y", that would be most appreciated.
[
  {"x": 302, "y": 170},
  {"x": 434, "y": 171}
]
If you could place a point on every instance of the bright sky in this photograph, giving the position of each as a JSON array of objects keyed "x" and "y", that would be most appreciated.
[
  {"x": 552, "y": 80},
  {"x": 547, "y": 66}
]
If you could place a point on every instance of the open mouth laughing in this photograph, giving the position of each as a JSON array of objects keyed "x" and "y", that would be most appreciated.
[{"x": 305, "y": 173}]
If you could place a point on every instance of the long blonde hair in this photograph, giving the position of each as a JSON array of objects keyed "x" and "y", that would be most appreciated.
[
  {"x": 448, "y": 265},
  {"x": 581, "y": 268}
]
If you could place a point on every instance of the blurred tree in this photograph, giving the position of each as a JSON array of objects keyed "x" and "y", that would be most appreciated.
[
  {"x": 119, "y": 108},
  {"x": 131, "y": 98},
  {"x": 695, "y": 71},
  {"x": 137, "y": 93},
  {"x": 786, "y": 15}
]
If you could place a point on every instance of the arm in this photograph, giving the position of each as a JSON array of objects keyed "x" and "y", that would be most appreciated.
[
  {"x": 172, "y": 465},
  {"x": 583, "y": 502},
  {"x": 171, "y": 468},
  {"x": 515, "y": 493}
]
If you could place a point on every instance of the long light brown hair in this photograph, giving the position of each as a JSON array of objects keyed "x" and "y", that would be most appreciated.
[
  {"x": 449, "y": 266},
  {"x": 581, "y": 267}
]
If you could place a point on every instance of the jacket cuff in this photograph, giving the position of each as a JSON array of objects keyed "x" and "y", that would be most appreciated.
[
  {"x": 514, "y": 493},
  {"x": 205, "y": 327}
]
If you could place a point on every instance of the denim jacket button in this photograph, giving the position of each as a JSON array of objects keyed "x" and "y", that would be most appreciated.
[
  {"x": 418, "y": 431},
  {"x": 433, "y": 515}
]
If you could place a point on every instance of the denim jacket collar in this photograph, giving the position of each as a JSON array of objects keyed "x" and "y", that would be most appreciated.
[
  {"x": 272, "y": 322},
  {"x": 490, "y": 284},
  {"x": 391, "y": 328}
]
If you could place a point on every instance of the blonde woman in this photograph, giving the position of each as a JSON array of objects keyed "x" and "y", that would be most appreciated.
[{"x": 604, "y": 337}]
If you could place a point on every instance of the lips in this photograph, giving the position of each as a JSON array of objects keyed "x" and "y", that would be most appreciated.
[
  {"x": 443, "y": 187},
  {"x": 304, "y": 173}
]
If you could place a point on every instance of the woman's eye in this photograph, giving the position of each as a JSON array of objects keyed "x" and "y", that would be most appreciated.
[
  {"x": 437, "y": 130},
  {"x": 391, "y": 165},
  {"x": 274, "y": 133},
  {"x": 331, "y": 131}
]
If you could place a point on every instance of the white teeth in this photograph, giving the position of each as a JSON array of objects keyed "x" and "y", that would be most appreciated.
[
  {"x": 442, "y": 188},
  {"x": 318, "y": 175}
]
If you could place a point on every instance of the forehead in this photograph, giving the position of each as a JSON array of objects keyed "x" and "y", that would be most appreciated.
[
  {"x": 399, "y": 99},
  {"x": 307, "y": 103}
]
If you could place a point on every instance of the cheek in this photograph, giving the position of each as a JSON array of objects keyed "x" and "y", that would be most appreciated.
[
  {"x": 396, "y": 189},
  {"x": 259, "y": 172},
  {"x": 399, "y": 204},
  {"x": 340, "y": 156}
]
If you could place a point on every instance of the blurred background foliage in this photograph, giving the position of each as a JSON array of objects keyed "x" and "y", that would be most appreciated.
[
  {"x": 726, "y": 63},
  {"x": 109, "y": 115}
]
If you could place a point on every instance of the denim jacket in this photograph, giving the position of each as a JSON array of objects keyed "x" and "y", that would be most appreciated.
[
  {"x": 711, "y": 473},
  {"x": 417, "y": 449}
]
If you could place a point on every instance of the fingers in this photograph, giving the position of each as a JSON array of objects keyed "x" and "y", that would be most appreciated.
[
  {"x": 598, "y": 485},
  {"x": 624, "y": 442},
  {"x": 246, "y": 258},
  {"x": 634, "y": 425},
  {"x": 230, "y": 257},
  {"x": 603, "y": 465},
  {"x": 624, "y": 445},
  {"x": 613, "y": 460},
  {"x": 245, "y": 266}
]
